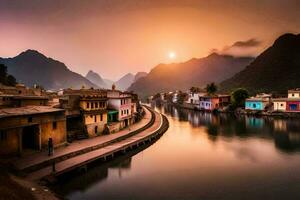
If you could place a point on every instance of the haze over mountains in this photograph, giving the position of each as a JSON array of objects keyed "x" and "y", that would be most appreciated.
[
  {"x": 31, "y": 67},
  {"x": 195, "y": 72},
  {"x": 275, "y": 70},
  {"x": 96, "y": 79}
]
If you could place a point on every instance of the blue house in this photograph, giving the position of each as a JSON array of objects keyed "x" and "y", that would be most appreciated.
[{"x": 260, "y": 102}]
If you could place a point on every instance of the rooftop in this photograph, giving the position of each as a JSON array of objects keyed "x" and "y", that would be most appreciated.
[
  {"x": 286, "y": 99},
  {"x": 27, "y": 110}
]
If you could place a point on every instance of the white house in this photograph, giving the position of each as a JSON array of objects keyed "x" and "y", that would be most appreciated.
[
  {"x": 121, "y": 102},
  {"x": 194, "y": 97},
  {"x": 279, "y": 104},
  {"x": 175, "y": 97},
  {"x": 294, "y": 93}
]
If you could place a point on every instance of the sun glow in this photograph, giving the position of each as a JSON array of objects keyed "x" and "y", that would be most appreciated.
[{"x": 172, "y": 55}]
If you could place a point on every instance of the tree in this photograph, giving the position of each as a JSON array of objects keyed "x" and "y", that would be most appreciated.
[
  {"x": 181, "y": 97},
  {"x": 211, "y": 88},
  {"x": 3, "y": 73},
  {"x": 194, "y": 89},
  {"x": 10, "y": 80},
  {"x": 5, "y": 78},
  {"x": 239, "y": 96}
]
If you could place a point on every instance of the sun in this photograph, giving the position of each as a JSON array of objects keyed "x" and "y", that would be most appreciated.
[{"x": 172, "y": 55}]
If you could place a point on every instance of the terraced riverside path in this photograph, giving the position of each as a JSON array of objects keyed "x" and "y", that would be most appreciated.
[{"x": 83, "y": 152}]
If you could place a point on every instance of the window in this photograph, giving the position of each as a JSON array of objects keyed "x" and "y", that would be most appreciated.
[
  {"x": 121, "y": 112},
  {"x": 254, "y": 105},
  {"x": 95, "y": 118},
  {"x": 127, "y": 111},
  {"x": 3, "y": 135},
  {"x": 54, "y": 125},
  {"x": 87, "y": 105},
  {"x": 96, "y": 105},
  {"x": 29, "y": 119},
  {"x": 91, "y": 116},
  {"x": 92, "y": 105},
  {"x": 101, "y": 117},
  {"x": 281, "y": 104},
  {"x": 293, "y": 94}
]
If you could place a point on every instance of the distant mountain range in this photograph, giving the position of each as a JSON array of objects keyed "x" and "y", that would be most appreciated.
[
  {"x": 31, "y": 67},
  {"x": 275, "y": 70},
  {"x": 96, "y": 79},
  {"x": 195, "y": 72},
  {"x": 122, "y": 84}
]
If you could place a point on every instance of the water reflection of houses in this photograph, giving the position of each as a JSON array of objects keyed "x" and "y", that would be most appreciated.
[{"x": 284, "y": 132}]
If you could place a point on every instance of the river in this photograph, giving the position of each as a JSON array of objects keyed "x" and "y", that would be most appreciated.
[{"x": 201, "y": 156}]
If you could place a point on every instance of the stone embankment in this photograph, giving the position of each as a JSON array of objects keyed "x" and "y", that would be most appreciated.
[{"x": 80, "y": 154}]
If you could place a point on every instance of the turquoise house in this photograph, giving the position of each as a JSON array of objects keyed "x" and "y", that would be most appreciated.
[
  {"x": 260, "y": 102},
  {"x": 255, "y": 104}
]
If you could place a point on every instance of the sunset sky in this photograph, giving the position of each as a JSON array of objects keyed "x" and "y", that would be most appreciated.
[{"x": 113, "y": 37}]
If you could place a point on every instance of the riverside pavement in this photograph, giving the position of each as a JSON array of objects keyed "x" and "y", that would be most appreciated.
[{"x": 39, "y": 157}]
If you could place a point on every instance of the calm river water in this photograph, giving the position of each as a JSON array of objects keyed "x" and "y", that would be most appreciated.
[{"x": 202, "y": 156}]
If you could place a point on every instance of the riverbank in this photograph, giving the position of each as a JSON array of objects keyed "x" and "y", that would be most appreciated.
[
  {"x": 239, "y": 111},
  {"x": 79, "y": 154}
]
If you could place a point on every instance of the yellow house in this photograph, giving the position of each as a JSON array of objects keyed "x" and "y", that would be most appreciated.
[
  {"x": 29, "y": 128},
  {"x": 94, "y": 113}
]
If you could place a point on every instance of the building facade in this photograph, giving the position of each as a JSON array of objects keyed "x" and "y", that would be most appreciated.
[
  {"x": 258, "y": 103},
  {"x": 213, "y": 102},
  {"x": 29, "y": 129}
]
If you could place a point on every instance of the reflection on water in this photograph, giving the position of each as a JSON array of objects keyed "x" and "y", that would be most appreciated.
[
  {"x": 284, "y": 132},
  {"x": 202, "y": 156}
]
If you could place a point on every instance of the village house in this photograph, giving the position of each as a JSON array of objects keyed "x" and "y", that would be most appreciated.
[
  {"x": 212, "y": 102},
  {"x": 94, "y": 112},
  {"x": 86, "y": 112},
  {"x": 290, "y": 104},
  {"x": 29, "y": 128},
  {"x": 294, "y": 93},
  {"x": 194, "y": 98},
  {"x": 120, "y": 109},
  {"x": 259, "y": 102},
  {"x": 8, "y": 100}
]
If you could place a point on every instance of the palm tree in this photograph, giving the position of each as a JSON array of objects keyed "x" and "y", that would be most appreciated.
[{"x": 211, "y": 88}]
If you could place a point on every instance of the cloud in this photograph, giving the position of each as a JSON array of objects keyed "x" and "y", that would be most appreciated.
[
  {"x": 248, "y": 43},
  {"x": 250, "y": 47}
]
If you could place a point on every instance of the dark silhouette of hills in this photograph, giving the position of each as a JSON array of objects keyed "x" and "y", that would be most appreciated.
[
  {"x": 31, "y": 67},
  {"x": 195, "y": 72},
  {"x": 96, "y": 79},
  {"x": 275, "y": 70}
]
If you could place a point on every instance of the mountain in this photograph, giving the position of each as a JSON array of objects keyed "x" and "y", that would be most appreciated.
[
  {"x": 275, "y": 70},
  {"x": 108, "y": 82},
  {"x": 195, "y": 72},
  {"x": 124, "y": 82},
  {"x": 139, "y": 75},
  {"x": 31, "y": 67},
  {"x": 96, "y": 79}
]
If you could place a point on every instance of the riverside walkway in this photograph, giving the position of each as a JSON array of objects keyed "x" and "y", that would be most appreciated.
[
  {"x": 86, "y": 151},
  {"x": 41, "y": 159}
]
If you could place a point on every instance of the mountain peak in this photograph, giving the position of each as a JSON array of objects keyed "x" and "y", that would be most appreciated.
[
  {"x": 287, "y": 40},
  {"x": 96, "y": 79},
  {"x": 275, "y": 70},
  {"x": 31, "y": 53}
]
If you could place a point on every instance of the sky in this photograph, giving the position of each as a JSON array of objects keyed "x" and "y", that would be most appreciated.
[{"x": 114, "y": 37}]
